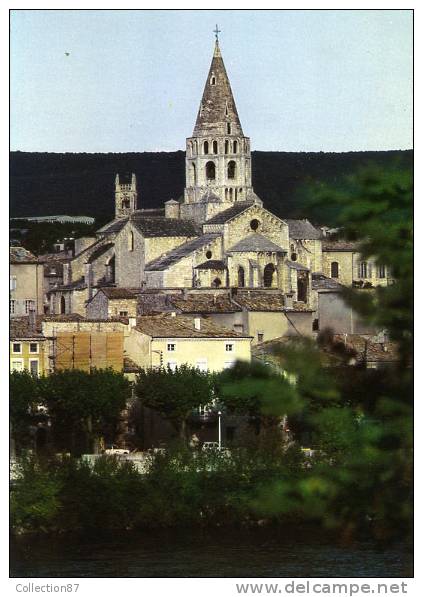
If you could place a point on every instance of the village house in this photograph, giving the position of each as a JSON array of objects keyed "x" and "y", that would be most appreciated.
[{"x": 26, "y": 283}]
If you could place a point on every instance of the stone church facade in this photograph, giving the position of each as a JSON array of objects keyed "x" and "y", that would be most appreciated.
[{"x": 217, "y": 236}]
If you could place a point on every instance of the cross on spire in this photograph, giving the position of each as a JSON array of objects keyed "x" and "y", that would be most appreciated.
[{"x": 216, "y": 33}]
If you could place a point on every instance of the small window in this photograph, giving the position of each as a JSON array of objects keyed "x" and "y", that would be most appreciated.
[
  {"x": 235, "y": 147},
  {"x": 209, "y": 254},
  {"x": 123, "y": 313},
  {"x": 226, "y": 146},
  {"x": 214, "y": 146},
  {"x": 213, "y": 80},
  {"x": 130, "y": 241},
  {"x": 12, "y": 282},
  {"x": 231, "y": 169},
  {"x": 254, "y": 224},
  {"x": 229, "y": 347},
  {"x": 362, "y": 269},
  {"x": 334, "y": 269},
  {"x": 210, "y": 171},
  {"x": 294, "y": 257},
  {"x": 33, "y": 367},
  {"x": 17, "y": 365},
  {"x": 206, "y": 147},
  {"x": 228, "y": 128},
  {"x": 216, "y": 283},
  {"x": 17, "y": 348},
  {"x": 171, "y": 347},
  {"x": 260, "y": 336},
  {"x": 12, "y": 306},
  {"x": 29, "y": 305},
  {"x": 33, "y": 347}
]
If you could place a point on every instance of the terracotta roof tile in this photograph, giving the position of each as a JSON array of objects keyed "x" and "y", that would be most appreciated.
[{"x": 181, "y": 326}]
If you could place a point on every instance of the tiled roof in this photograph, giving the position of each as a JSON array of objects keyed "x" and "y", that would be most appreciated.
[
  {"x": 231, "y": 212},
  {"x": 99, "y": 251},
  {"x": 165, "y": 261},
  {"x": 181, "y": 326},
  {"x": 297, "y": 266},
  {"x": 212, "y": 264},
  {"x": 130, "y": 366},
  {"x": 20, "y": 328},
  {"x": 322, "y": 282},
  {"x": 113, "y": 227},
  {"x": 340, "y": 245},
  {"x": 21, "y": 255},
  {"x": 155, "y": 211},
  {"x": 303, "y": 230},
  {"x": 204, "y": 303},
  {"x": 367, "y": 349},
  {"x": 256, "y": 242},
  {"x": 160, "y": 226},
  {"x": 119, "y": 293}
]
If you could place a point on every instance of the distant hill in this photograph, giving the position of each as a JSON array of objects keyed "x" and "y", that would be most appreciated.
[{"x": 83, "y": 183}]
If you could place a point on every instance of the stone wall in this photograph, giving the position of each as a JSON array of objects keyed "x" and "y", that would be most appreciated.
[{"x": 28, "y": 279}]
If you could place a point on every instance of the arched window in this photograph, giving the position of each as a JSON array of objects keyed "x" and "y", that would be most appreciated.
[
  {"x": 241, "y": 277},
  {"x": 228, "y": 128},
  {"x": 334, "y": 269},
  {"x": 214, "y": 146},
  {"x": 209, "y": 254},
  {"x": 62, "y": 305},
  {"x": 206, "y": 147},
  {"x": 235, "y": 146},
  {"x": 268, "y": 275},
  {"x": 231, "y": 169},
  {"x": 125, "y": 203},
  {"x": 110, "y": 269},
  {"x": 194, "y": 174},
  {"x": 195, "y": 147},
  {"x": 230, "y": 194},
  {"x": 254, "y": 224},
  {"x": 226, "y": 194},
  {"x": 302, "y": 286},
  {"x": 226, "y": 146},
  {"x": 226, "y": 109},
  {"x": 130, "y": 241},
  {"x": 213, "y": 80},
  {"x": 216, "y": 283},
  {"x": 210, "y": 171}
]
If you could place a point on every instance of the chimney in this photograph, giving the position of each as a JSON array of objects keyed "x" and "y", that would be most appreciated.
[
  {"x": 197, "y": 323},
  {"x": 132, "y": 322},
  {"x": 32, "y": 320},
  {"x": 173, "y": 314}
]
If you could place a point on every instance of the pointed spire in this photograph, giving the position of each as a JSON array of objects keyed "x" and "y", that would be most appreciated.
[{"x": 217, "y": 114}]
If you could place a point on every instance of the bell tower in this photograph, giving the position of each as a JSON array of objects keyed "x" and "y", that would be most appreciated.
[
  {"x": 126, "y": 196},
  {"x": 218, "y": 158}
]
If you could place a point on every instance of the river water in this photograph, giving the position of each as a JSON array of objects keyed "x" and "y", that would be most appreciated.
[{"x": 220, "y": 553}]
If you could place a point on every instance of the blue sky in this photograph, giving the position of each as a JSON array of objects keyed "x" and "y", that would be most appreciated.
[{"x": 303, "y": 80}]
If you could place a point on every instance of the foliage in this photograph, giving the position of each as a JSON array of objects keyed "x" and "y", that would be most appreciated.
[
  {"x": 81, "y": 406},
  {"x": 40, "y": 237},
  {"x": 23, "y": 401},
  {"x": 174, "y": 394}
]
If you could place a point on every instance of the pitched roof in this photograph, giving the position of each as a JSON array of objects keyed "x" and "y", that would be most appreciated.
[
  {"x": 367, "y": 349},
  {"x": 256, "y": 242},
  {"x": 231, "y": 212},
  {"x": 321, "y": 282},
  {"x": 204, "y": 303},
  {"x": 181, "y": 326},
  {"x": 161, "y": 226},
  {"x": 297, "y": 266},
  {"x": 21, "y": 255},
  {"x": 119, "y": 293},
  {"x": 303, "y": 230},
  {"x": 20, "y": 328},
  {"x": 340, "y": 245},
  {"x": 212, "y": 264},
  {"x": 217, "y": 104},
  {"x": 113, "y": 227},
  {"x": 210, "y": 197},
  {"x": 165, "y": 261}
]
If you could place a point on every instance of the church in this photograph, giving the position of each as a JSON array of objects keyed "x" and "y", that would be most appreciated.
[{"x": 216, "y": 238}]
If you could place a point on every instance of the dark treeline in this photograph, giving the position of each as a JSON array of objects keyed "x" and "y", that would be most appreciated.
[{"x": 83, "y": 183}]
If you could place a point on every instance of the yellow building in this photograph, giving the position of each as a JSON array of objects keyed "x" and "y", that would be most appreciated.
[
  {"x": 171, "y": 340},
  {"x": 27, "y": 346}
]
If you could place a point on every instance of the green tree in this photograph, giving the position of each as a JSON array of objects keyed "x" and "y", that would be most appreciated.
[
  {"x": 83, "y": 406},
  {"x": 23, "y": 397},
  {"x": 174, "y": 394}
]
